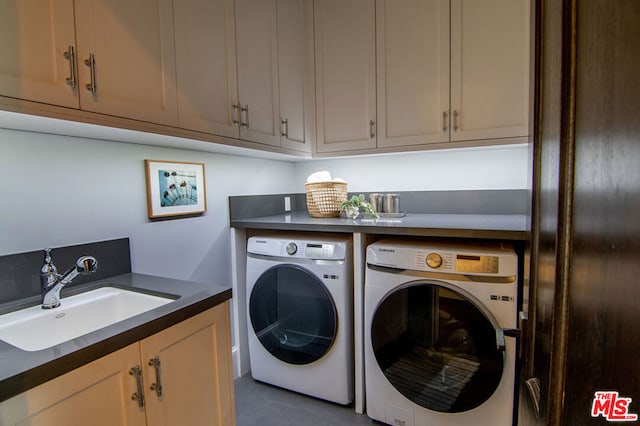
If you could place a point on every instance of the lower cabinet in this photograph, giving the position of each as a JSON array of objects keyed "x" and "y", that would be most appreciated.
[{"x": 179, "y": 376}]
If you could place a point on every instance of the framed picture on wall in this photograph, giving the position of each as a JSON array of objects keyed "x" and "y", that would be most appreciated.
[{"x": 175, "y": 188}]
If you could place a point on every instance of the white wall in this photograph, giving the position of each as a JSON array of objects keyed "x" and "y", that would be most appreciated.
[
  {"x": 60, "y": 190},
  {"x": 501, "y": 167},
  {"x": 63, "y": 190}
]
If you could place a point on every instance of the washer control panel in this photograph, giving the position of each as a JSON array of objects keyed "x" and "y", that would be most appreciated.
[{"x": 298, "y": 249}]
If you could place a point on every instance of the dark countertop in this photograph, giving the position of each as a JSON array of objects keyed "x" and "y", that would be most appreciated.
[
  {"x": 489, "y": 226},
  {"x": 22, "y": 370}
]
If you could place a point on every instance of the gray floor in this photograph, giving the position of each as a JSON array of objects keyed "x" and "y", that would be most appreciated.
[{"x": 264, "y": 405}]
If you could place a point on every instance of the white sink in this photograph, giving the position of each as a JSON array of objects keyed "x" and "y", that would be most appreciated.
[{"x": 34, "y": 328}]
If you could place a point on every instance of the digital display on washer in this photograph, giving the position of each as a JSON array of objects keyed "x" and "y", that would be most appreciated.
[
  {"x": 320, "y": 250},
  {"x": 477, "y": 264}
]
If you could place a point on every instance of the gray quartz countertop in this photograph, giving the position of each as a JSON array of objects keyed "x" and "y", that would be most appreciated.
[
  {"x": 489, "y": 226},
  {"x": 21, "y": 370}
]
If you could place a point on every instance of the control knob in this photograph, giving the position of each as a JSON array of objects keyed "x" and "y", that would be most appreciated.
[
  {"x": 434, "y": 260},
  {"x": 292, "y": 249}
]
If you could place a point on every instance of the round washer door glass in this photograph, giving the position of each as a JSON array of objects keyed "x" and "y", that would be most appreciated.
[
  {"x": 436, "y": 347},
  {"x": 293, "y": 315}
]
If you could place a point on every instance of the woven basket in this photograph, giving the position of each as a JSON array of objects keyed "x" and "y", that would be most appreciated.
[{"x": 324, "y": 198}]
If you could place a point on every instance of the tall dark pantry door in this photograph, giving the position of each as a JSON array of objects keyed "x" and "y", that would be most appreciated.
[{"x": 584, "y": 312}]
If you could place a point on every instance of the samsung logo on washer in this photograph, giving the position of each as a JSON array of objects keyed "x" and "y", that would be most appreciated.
[{"x": 386, "y": 250}]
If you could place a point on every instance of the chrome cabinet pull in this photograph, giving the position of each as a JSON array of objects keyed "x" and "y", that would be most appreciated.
[
  {"x": 455, "y": 120},
  {"x": 70, "y": 55},
  {"x": 285, "y": 130},
  {"x": 444, "y": 121},
  {"x": 137, "y": 396},
  {"x": 157, "y": 386},
  {"x": 91, "y": 63},
  {"x": 245, "y": 109},
  {"x": 237, "y": 119},
  {"x": 372, "y": 133}
]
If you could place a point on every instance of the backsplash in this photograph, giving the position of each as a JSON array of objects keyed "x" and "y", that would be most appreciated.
[
  {"x": 508, "y": 201},
  {"x": 20, "y": 273}
]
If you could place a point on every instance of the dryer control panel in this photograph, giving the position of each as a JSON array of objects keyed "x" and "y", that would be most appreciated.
[{"x": 495, "y": 259}]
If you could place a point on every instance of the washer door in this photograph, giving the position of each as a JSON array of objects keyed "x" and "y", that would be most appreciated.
[
  {"x": 293, "y": 314},
  {"x": 436, "y": 347}
]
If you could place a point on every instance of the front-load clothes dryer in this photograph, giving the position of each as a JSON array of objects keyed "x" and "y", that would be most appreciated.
[
  {"x": 435, "y": 315},
  {"x": 300, "y": 314}
]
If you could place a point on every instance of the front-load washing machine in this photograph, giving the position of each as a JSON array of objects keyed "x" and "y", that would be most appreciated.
[
  {"x": 300, "y": 314},
  {"x": 435, "y": 315}
]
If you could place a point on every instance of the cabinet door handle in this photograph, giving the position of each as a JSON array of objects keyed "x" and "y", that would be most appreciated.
[
  {"x": 137, "y": 396},
  {"x": 157, "y": 386},
  {"x": 444, "y": 121},
  {"x": 236, "y": 109},
  {"x": 70, "y": 55},
  {"x": 285, "y": 128},
  {"x": 455, "y": 120},
  {"x": 245, "y": 109},
  {"x": 372, "y": 132},
  {"x": 91, "y": 63}
]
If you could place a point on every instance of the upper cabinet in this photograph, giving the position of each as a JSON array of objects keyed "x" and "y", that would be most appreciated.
[
  {"x": 280, "y": 75},
  {"x": 38, "y": 45},
  {"x": 243, "y": 70},
  {"x": 413, "y": 72},
  {"x": 126, "y": 61},
  {"x": 296, "y": 81},
  {"x": 345, "y": 75},
  {"x": 445, "y": 71},
  {"x": 489, "y": 69},
  {"x": 109, "y": 56},
  {"x": 207, "y": 79},
  {"x": 257, "y": 50}
]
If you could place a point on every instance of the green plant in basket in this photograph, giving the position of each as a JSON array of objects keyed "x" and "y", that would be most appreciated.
[{"x": 356, "y": 206}]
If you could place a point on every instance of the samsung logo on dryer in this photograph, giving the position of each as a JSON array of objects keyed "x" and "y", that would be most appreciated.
[{"x": 386, "y": 250}]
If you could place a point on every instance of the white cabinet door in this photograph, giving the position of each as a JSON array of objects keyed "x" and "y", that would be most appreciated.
[
  {"x": 345, "y": 75},
  {"x": 34, "y": 36},
  {"x": 256, "y": 44},
  {"x": 134, "y": 69},
  {"x": 413, "y": 71},
  {"x": 295, "y": 73},
  {"x": 206, "y": 66},
  {"x": 489, "y": 69},
  {"x": 194, "y": 370},
  {"x": 98, "y": 393}
]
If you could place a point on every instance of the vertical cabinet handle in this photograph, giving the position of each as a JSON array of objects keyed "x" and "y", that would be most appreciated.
[
  {"x": 444, "y": 121},
  {"x": 284, "y": 131},
  {"x": 70, "y": 55},
  {"x": 372, "y": 132},
  {"x": 455, "y": 120},
  {"x": 91, "y": 63},
  {"x": 137, "y": 396},
  {"x": 157, "y": 386},
  {"x": 245, "y": 109},
  {"x": 236, "y": 111}
]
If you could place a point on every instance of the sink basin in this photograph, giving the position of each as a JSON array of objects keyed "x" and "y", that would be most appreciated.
[{"x": 34, "y": 328}]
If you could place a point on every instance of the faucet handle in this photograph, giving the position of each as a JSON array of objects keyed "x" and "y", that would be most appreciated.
[{"x": 48, "y": 267}]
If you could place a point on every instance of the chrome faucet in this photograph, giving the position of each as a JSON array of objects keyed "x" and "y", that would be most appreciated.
[{"x": 52, "y": 282}]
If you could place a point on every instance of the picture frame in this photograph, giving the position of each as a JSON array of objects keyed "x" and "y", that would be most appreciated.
[{"x": 175, "y": 188}]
